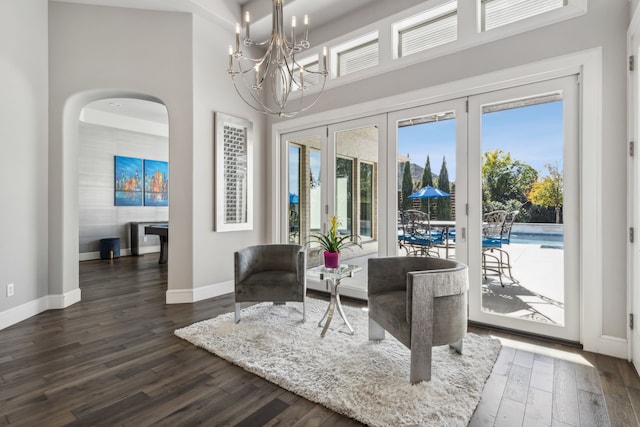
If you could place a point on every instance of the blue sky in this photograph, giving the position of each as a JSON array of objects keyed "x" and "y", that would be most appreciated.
[{"x": 531, "y": 134}]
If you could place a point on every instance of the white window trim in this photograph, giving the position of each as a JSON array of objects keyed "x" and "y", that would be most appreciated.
[
  {"x": 351, "y": 44},
  {"x": 436, "y": 10}
]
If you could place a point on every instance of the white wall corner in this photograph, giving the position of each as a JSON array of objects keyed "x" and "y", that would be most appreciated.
[
  {"x": 60, "y": 301},
  {"x": 187, "y": 296}
]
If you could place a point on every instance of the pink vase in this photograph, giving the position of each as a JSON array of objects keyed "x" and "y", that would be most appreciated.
[{"x": 331, "y": 259}]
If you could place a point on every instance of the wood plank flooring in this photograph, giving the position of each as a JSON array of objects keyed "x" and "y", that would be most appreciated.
[{"x": 112, "y": 359}]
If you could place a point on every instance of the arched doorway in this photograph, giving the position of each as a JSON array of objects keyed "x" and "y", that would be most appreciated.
[
  {"x": 63, "y": 193},
  {"x": 122, "y": 174}
]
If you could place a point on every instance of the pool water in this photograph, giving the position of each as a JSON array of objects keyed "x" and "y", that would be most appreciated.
[{"x": 552, "y": 240}]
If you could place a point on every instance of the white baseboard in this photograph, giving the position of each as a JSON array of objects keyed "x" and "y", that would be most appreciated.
[
  {"x": 187, "y": 296},
  {"x": 29, "y": 309},
  {"x": 88, "y": 256}
]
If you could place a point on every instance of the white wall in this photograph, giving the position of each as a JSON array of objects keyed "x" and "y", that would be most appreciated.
[
  {"x": 176, "y": 59},
  {"x": 604, "y": 25},
  {"x": 23, "y": 151},
  {"x": 214, "y": 91},
  {"x": 103, "y": 52}
]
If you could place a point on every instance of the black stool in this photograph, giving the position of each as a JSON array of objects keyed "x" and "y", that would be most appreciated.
[{"x": 110, "y": 248}]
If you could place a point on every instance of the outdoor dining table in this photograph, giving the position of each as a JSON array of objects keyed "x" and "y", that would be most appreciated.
[{"x": 445, "y": 226}]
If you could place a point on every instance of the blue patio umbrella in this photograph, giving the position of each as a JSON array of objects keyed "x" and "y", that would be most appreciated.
[
  {"x": 293, "y": 198},
  {"x": 428, "y": 192}
]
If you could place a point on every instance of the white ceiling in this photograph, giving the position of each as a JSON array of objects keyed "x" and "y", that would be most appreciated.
[{"x": 230, "y": 11}]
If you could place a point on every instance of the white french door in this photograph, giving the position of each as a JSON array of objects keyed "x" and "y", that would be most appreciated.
[
  {"x": 337, "y": 170},
  {"x": 354, "y": 169},
  {"x": 529, "y": 133},
  {"x": 513, "y": 136}
]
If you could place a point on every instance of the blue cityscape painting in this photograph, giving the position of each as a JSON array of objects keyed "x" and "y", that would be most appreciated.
[
  {"x": 156, "y": 183},
  {"x": 128, "y": 181}
]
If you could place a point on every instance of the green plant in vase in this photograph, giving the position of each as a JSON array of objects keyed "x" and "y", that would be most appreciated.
[{"x": 333, "y": 243}]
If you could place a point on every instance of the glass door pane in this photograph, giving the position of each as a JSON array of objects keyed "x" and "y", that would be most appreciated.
[
  {"x": 431, "y": 180},
  {"x": 522, "y": 158},
  {"x": 527, "y": 225},
  {"x": 367, "y": 184},
  {"x": 294, "y": 192},
  {"x": 304, "y": 185},
  {"x": 356, "y": 160},
  {"x": 344, "y": 194}
]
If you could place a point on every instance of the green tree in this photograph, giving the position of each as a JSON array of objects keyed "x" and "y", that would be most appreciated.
[
  {"x": 504, "y": 179},
  {"x": 407, "y": 186},
  {"x": 548, "y": 192},
  {"x": 427, "y": 179},
  {"x": 443, "y": 208}
]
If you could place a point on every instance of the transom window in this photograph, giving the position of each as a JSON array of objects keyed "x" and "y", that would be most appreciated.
[
  {"x": 496, "y": 13},
  {"x": 358, "y": 58},
  {"x": 427, "y": 30}
]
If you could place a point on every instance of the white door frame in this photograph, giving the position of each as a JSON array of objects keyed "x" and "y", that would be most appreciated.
[{"x": 633, "y": 186}]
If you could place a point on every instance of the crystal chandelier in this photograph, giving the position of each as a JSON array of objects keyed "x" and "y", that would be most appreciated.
[{"x": 277, "y": 69}]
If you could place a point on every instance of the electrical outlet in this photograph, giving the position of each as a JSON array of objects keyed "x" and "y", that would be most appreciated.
[{"x": 10, "y": 290}]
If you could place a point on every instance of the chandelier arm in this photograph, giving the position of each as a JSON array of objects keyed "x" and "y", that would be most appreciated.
[
  {"x": 248, "y": 42},
  {"x": 262, "y": 107},
  {"x": 315, "y": 100}
]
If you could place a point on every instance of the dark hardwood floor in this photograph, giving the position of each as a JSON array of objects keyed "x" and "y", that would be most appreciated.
[{"x": 112, "y": 359}]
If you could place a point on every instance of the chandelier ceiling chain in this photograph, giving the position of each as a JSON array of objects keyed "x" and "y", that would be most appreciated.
[{"x": 277, "y": 69}]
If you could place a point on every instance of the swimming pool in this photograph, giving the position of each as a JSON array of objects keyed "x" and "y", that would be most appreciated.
[{"x": 549, "y": 240}]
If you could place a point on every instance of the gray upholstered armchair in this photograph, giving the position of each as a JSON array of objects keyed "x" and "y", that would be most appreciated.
[
  {"x": 270, "y": 273},
  {"x": 421, "y": 301}
]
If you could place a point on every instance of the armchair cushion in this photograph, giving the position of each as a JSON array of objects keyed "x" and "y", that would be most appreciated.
[
  {"x": 267, "y": 285},
  {"x": 270, "y": 273}
]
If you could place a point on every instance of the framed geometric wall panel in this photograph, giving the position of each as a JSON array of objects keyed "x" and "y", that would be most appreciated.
[{"x": 233, "y": 151}]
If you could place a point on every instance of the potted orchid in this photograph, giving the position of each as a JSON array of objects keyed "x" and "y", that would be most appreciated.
[{"x": 333, "y": 243}]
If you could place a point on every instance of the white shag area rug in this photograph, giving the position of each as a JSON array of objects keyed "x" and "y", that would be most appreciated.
[{"x": 362, "y": 379}]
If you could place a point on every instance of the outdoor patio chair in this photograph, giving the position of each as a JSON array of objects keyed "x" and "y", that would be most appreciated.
[
  {"x": 417, "y": 237},
  {"x": 420, "y": 301},
  {"x": 270, "y": 273},
  {"x": 508, "y": 225},
  {"x": 494, "y": 258}
]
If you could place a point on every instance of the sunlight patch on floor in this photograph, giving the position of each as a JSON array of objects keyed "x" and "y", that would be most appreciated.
[{"x": 545, "y": 351}]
